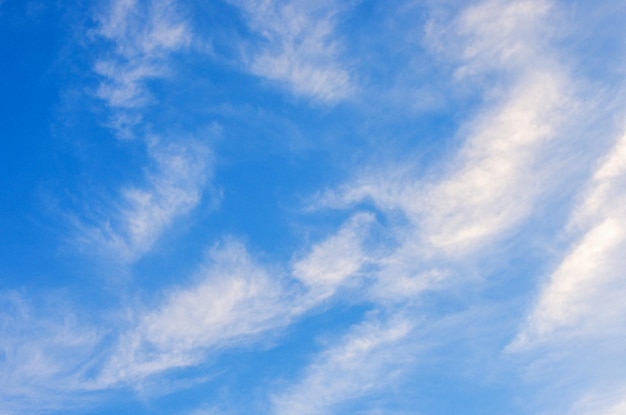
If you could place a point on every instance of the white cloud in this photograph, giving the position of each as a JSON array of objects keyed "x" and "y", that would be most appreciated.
[
  {"x": 143, "y": 35},
  {"x": 489, "y": 188},
  {"x": 581, "y": 294},
  {"x": 584, "y": 294},
  {"x": 492, "y": 183},
  {"x": 144, "y": 28},
  {"x": 334, "y": 260},
  {"x": 234, "y": 301},
  {"x": 495, "y": 178},
  {"x": 504, "y": 34},
  {"x": 42, "y": 355},
  {"x": 370, "y": 358},
  {"x": 574, "y": 331},
  {"x": 174, "y": 187},
  {"x": 302, "y": 48},
  {"x": 501, "y": 172}
]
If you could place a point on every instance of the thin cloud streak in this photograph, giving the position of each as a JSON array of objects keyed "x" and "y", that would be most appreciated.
[
  {"x": 235, "y": 301},
  {"x": 350, "y": 369},
  {"x": 173, "y": 188},
  {"x": 333, "y": 261},
  {"x": 302, "y": 49},
  {"x": 143, "y": 35},
  {"x": 583, "y": 295},
  {"x": 42, "y": 355}
]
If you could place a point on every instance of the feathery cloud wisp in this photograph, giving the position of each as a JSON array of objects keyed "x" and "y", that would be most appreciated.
[
  {"x": 584, "y": 294},
  {"x": 348, "y": 370},
  {"x": 174, "y": 187},
  {"x": 335, "y": 259},
  {"x": 143, "y": 35},
  {"x": 43, "y": 355},
  {"x": 234, "y": 301},
  {"x": 302, "y": 49}
]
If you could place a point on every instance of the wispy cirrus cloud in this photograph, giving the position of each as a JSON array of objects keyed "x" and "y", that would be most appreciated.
[
  {"x": 350, "y": 369},
  {"x": 140, "y": 38},
  {"x": 494, "y": 179},
  {"x": 515, "y": 41},
  {"x": 410, "y": 230},
  {"x": 301, "y": 48},
  {"x": 490, "y": 185},
  {"x": 234, "y": 301},
  {"x": 174, "y": 185},
  {"x": 583, "y": 295},
  {"x": 143, "y": 35},
  {"x": 487, "y": 190},
  {"x": 579, "y": 310},
  {"x": 333, "y": 261},
  {"x": 43, "y": 353}
]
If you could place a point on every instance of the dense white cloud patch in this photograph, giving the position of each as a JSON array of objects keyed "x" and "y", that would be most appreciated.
[
  {"x": 302, "y": 49},
  {"x": 585, "y": 290}
]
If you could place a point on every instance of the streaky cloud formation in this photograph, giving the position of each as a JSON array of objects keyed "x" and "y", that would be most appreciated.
[
  {"x": 234, "y": 301},
  {"x": 43, "y": 356},
  {"x": 491, "y": 183},
  {"x": 336, "y": 259},
  {"x": 301, "y": 48},
  {"x": 365, "y": 360},
  {"x": 173, "y": 187},
  {"x": 143, "y": 34},
  {"x": 580, "y": 309}
]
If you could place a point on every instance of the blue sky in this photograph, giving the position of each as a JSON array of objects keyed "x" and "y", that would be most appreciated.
[{"x": 294, "y": 207}]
